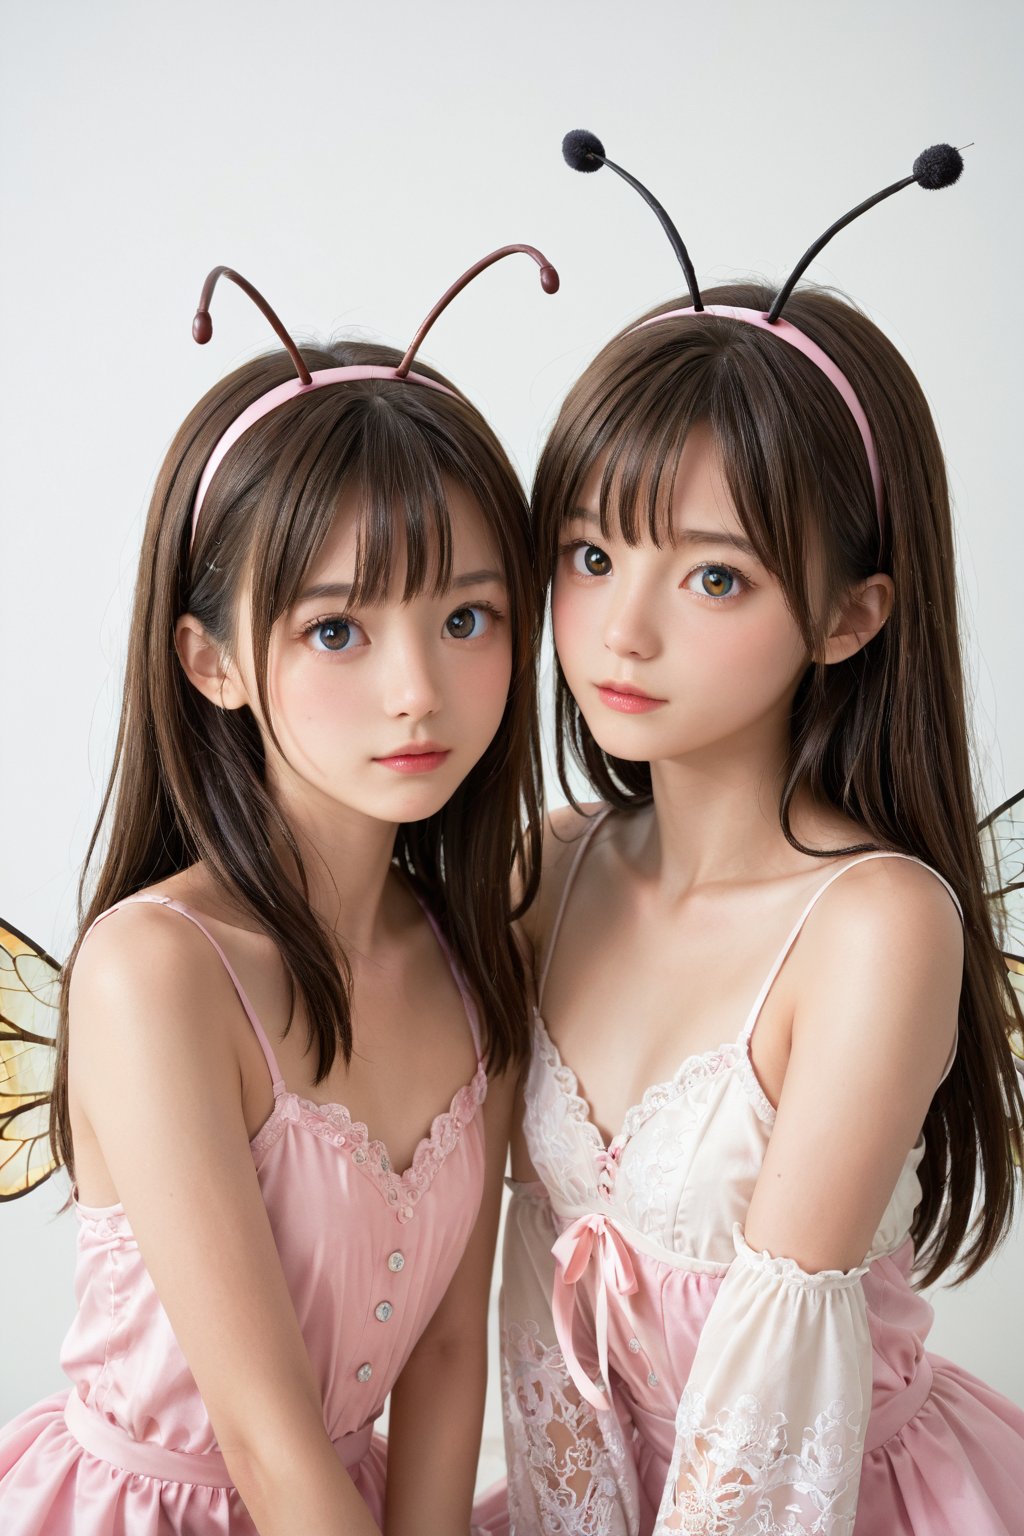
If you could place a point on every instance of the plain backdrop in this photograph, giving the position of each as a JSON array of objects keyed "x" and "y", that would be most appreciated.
[{"x": 351, "y": 160}]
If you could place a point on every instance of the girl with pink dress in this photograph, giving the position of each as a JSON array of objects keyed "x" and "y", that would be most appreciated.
[
  {"x": 282, "y": 1092},
  {"x": 771, "y": 1064}
]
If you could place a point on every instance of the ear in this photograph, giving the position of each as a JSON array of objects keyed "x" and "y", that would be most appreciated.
[
  {"x": 207, "y": 666},
  {"x": 861, "y": 615}
]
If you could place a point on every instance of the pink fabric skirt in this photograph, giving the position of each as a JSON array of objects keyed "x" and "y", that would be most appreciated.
[
  {"x": 956, "y": 1468},
  {"x": 50, "y": 1485}
]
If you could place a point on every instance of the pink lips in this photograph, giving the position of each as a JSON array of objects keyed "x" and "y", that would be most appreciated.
[
  {"x": 627, "y": 699},
  {"x": 420, "y": 757}
]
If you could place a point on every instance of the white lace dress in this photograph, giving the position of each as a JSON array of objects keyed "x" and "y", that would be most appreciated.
[{"x": 660, "y": 1376}]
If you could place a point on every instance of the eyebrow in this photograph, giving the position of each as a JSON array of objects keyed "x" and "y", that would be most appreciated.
[
  {"x": 343, "y": 589},
  {"x": 687, "y": 536}
]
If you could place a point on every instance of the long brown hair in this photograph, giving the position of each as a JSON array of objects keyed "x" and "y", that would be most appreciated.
[
  {"x": 188, "y": 783},
  {"x": 883, "y": 736}
]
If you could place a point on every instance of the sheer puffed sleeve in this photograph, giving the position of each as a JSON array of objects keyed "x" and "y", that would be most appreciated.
[
  {"x": 770, "y": 1429},
  {"x": 569, "y": 1471}
]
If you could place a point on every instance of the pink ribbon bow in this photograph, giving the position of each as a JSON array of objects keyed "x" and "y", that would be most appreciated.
[{"x": 587, "y": 1238}]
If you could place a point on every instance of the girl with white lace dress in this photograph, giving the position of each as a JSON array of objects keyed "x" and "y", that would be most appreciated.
[{"x": 771, "y": 1060}]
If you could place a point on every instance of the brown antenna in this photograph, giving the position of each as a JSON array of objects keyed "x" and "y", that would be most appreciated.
[
  {"x": 548, "y": 281},
  {"x": 202, "y": 325}
]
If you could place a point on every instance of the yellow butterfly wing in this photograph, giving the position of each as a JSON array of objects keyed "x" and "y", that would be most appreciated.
[{"x": 29, "y": 992}]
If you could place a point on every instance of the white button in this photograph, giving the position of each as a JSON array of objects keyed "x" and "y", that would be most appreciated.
[
  {"x": 652, "y": 1380},
  {"x": 382, "y": 1311},
  {"x": 364, "y": 1372},
  {"x": 396, "y": 1261},
  {"x": 634, "y": 1346}
]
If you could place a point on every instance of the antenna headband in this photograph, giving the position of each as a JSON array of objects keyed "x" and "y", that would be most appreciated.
[
  {"x": 281, "y": 393},
  {"x": 202, "y": 330},
  {"x": 820, "y": 358}
]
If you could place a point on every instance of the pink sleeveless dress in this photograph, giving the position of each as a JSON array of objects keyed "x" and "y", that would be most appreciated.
[
  {"x": 130, "y": 1450},
  {"x": 661, "y": 1377}
]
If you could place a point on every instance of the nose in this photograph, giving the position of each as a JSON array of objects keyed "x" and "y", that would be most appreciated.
[
  {"x": 630, "y": 629},
  {"x": 411, "y": 690}
]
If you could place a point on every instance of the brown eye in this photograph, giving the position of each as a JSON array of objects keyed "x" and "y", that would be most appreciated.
[
  {"x": 588, "y": 560},
  {"x": 465, "y": 622},
  {"x": 334, "y": 635}
]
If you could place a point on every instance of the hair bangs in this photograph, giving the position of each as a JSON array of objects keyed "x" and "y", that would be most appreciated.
[{"x": 635, "y": 436}]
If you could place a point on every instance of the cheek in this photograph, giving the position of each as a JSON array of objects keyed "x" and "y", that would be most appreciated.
[
  {"x": 486, "y": 686},
  {"x": 312, "y": 691},
  {"x": 758, "y": 654},
  {"x": 571, "y": 620}
]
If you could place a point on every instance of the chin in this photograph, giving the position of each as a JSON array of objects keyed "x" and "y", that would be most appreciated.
[
  {"x": 412, "y": 802},
  {"x": 632, "y": 742}
]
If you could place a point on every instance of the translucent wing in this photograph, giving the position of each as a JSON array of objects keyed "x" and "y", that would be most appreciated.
[
  {"x": 29, "y": 990},
  {"x": 1002, "y": 839}
]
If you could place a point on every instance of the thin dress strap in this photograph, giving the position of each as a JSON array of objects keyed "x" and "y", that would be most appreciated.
[
  {"x": 258, "y": 1030},
  {"x": 563, "y": 899},
  {"x": 467, "y": 997},
  {"x": 881, "y": 853}
]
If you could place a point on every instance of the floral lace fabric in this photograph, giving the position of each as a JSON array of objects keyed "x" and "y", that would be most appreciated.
[
  {"x": 569, "y": 1470},
  {"x": 786, "y": 1457},
  {"x": 770, "y": 1424}
]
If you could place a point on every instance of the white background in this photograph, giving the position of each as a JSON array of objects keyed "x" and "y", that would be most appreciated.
[{"x": 351, "y": 160}]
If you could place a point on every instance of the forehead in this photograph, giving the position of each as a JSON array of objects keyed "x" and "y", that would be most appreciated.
[
  {"x": 354, "y": 529},
  {"x": 696, "y": 499}
]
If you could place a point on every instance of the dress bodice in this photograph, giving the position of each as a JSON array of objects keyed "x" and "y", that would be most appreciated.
[
  {"x": 698, "y": 1385},
  {"x": 367, "y": 1253},
  {"x": 660, "y": 1178}
]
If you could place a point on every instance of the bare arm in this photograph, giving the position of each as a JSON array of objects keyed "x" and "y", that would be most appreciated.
[
  {"x": 438, "y": 1401},
  {"x": 156, "y": 1080}
]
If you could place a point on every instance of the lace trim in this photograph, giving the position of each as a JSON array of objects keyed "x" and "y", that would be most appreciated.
[
  {"x": 568, "y": 1467},
  {"x": 577, "y": 1107},
  {"x": 697, "y": 1068},
  {"x": 734, "y": 1475},
  {"x": 333, "y": 1123},
  {"x": 789, "y": 1272},
  {"x": 763, "y": 1107}
]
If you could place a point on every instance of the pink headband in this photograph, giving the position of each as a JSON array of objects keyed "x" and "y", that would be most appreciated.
[
  {"x": 304, "y": 382},
  {"x": 278, "y": 396},
  {"x": 810, "y": 349}
]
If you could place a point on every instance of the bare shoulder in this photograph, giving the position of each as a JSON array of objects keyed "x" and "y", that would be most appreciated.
[
  {"x": 145, "y": 961},
  {"x": 892, "y": 901},
  {"x": 885, "y": 947}
]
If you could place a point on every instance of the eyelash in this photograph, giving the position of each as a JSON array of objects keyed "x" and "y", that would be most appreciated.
[{"x": 490, "y": 609}]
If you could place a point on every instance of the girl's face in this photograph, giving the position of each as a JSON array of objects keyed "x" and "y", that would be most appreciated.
[
  {"x": 679, "y": 651},
  {"x": 384, "y": 708}
]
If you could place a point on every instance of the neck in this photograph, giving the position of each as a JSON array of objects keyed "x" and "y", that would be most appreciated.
[
  {"x": 347, "y": 859},
  {"x": 716, "y": 814}
]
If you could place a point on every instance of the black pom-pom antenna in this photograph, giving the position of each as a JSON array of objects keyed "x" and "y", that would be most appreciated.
[
  {"x": 937, "y": 167},
  {"x": 934, "y": 168},
  {"x": 583, "y": 151}
]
